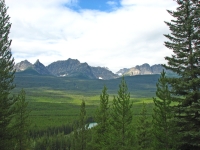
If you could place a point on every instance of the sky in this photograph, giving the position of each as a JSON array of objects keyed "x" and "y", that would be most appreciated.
[{"x": 107, "y": 33}]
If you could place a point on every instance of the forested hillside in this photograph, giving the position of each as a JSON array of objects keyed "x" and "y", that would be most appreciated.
[{"x": 39, "y": 111}]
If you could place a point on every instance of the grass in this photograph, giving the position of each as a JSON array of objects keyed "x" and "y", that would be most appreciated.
[{"x": 56, "y": 101}]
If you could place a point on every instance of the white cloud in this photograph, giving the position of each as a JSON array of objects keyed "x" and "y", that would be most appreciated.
[{"x": 131, "y": 35}]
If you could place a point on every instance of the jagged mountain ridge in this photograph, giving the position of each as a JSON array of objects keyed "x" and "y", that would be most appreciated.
[
  {"x": 73, "y": 68},
  {"x": 37, "y": 66},
  {"x": 70, "y": 68},
  {"x": 142, "y": 70}
]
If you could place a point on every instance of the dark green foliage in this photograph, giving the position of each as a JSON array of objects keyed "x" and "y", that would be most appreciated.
[
  {"x": 100, "y": 137},
  {"x": 6, "y": 79},
  {"x": 80, "y": 130},
  {"x": 144, "y": 85},
  {"x": 162, "y": 124},
  {"x": 143, "y": 130},
  {"x": 122, "y": 118},
  {"x": 185, "y": 90},
  {"x": 21, "y": 122},
  {"x": 56, "y": 142}
]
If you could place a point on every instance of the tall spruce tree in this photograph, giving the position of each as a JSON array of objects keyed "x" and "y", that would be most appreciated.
[
  {"x": 80, "y": 130},
  {"x": 6, "y": 79},
  {"x": 162, "y": 115},
  {"x": 143, "y": 130},
  {"x": 102, "y": 118},
  {"x": 21, "y": 122},
  {"x": 185, "y": 90},
  {"x": 122, "y": 118}
]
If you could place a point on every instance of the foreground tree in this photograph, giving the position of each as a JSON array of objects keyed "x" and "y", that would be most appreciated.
[
  {"x": 162, "y": 116},
  {"x": 122, "y": 118},
  {"x": 143, "y": 130},
  {"x": 102, "y": 118},
  {"x": 6, "y": 79},
  {"x": 185, "y": 89},
  {"x": 21, "y": 122},
  {"x": 80, "y": 130}
]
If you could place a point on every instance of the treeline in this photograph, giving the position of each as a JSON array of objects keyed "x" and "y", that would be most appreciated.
[{"x": 175, "y": 122}]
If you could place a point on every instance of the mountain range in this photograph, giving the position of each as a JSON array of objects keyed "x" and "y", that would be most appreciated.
[
  {"x": 70, "y": 68},
  {"x": 73, "y": 68},
  {"x": 142, "y": 70}
]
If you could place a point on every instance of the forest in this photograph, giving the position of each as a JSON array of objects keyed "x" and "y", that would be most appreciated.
[{"x": 165, "y": 117}]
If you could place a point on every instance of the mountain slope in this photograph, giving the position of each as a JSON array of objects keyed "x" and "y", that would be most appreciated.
[
  {"x": 70, "y": 68},
  {"x": 40, "y": 68},
  {"x": 23, "y": 65},
  {"x": 144, "y": 69}
]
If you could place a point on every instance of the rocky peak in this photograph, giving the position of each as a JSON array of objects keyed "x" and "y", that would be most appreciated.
[
  {"x": 23, "y": 65},
  {"x": 70, "y": 67},
  {"x": 103, "y": 73},
  {"x": 143, "y": 69},
  {"x": 122, "y": 71},
  {"x": 40, "y": 68}
]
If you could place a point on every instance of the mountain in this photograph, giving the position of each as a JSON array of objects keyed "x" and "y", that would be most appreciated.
[
  {"x": 142, "y": 70},
  {"x": 122, "y": 71},
  {"x": 73, "y": 68},
  {"x": 37, "y": 66},
  {"x": 40, "y": 68},
  {"x": 23, "y": 65},
  {"x": 103, "y": 73},
  {"x": 70, "y": 68}
]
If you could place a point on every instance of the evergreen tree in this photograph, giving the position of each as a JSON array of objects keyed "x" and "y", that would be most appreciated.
[
  {"x": 185, "y": 90},
  {"x": 6, "y": 79},
  {"x": 21, "y": 122},
  {"x": 143, "y": 130},
  {"x": 122, "y": 118},
  {"x": 80, "y": 130},
  {"x": 103, "y": 120},
  {"x": 162, "y": 124}
]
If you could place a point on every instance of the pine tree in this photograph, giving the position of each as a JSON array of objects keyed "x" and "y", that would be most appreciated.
[
  {"x": 6, "y": 79},
  {"x": 122, "y": 117},
  {"x": 143, "y": 130},
  {"x": 80, "y": 130},
  {"x": 162, "y": 115},
  {"x": 103, "y": 120},
  {"x": 21, "y": 122},
  {"x": 185, "y": 90}
]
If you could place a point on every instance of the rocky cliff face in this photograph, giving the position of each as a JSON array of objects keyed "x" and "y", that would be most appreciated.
[
  {"x": 103, "y": 73},
  {"x": 23, "y": 65},
  {"x": 142, "y": 70},
  {"x": 37, "y": 66},
  {"x": 40, "y": 68},
  {"x": 71, "y": 67},
  {"x": 122, "y": 71}
]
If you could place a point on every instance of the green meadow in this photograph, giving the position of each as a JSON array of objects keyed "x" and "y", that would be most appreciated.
[{"x": 55, "y": 101}]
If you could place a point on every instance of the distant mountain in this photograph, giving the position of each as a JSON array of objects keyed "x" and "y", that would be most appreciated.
[
  {"x": 40, "y": 68},
  {"x": 23, "y": 65},
  {"x": 70, "y": 68},
  {"x": 73, "y": 68},
  {"x": 103, "y": 73},
  {"x": 142, "y": 70},
  {"x": 37, "y": 66}
]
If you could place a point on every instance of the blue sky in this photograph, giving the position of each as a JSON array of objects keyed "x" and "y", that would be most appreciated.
[
  {"x": 108, "y": 33},
  {"x": 101, "y": 5}
]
